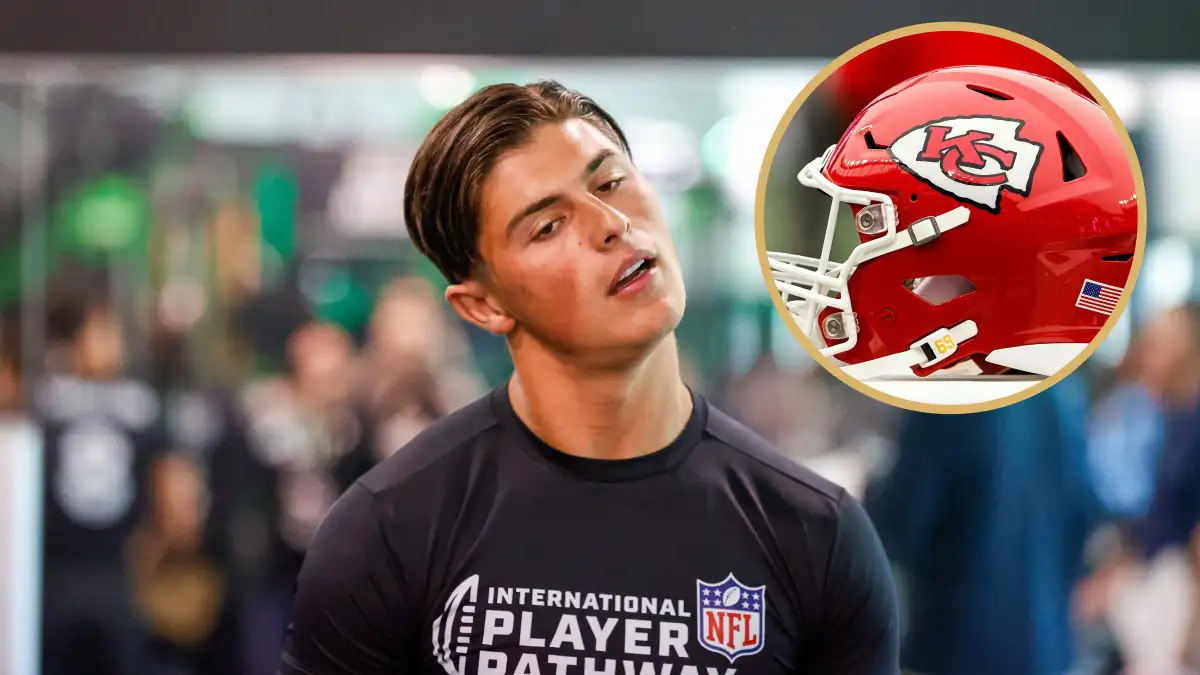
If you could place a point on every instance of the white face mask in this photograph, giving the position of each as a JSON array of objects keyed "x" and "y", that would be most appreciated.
[{"x": 811, "y": 284}]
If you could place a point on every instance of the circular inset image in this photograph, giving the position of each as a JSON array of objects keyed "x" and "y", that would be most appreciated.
[{"x": 950, "y": 218}]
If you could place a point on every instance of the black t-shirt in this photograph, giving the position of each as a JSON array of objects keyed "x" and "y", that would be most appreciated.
[
  {"x": 207, "y": 426},
  {"x": 102, "y": 439},
  {"x": 478, "y": 549}
]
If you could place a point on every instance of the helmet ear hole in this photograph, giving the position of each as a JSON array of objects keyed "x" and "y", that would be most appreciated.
[
  {"x": 1072, "y": 163},
  {"x": 872, "y": 144},
  {"x": 938, "y": 290}
]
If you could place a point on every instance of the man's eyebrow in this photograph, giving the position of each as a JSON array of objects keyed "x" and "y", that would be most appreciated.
[
  {"x": 543, "y": 203},
  {"x": 596, "y": 162},
  {"x": 551, "y": 200}
]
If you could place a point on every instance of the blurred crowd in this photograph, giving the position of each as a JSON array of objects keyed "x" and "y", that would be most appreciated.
[
  {"x": 180, "y": 512},
  {"x": 1060, "y": 534}
]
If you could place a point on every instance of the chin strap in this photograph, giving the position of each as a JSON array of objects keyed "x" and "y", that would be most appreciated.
[{"x": 929, "y": 350}]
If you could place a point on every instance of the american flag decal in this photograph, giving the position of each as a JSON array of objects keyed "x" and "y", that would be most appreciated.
[{"x": 1098, "y": 297}]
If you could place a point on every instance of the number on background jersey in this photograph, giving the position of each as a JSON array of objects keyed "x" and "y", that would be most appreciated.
[{"x": 95, "y": 484}]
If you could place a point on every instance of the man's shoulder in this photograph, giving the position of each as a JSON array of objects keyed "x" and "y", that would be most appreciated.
[
  {"x": 439, "y": 448},
  {"x": 758, "y": 459}
]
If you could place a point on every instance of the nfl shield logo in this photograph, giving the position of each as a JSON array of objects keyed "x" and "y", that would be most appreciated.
[{"x": 730, "y": 616}]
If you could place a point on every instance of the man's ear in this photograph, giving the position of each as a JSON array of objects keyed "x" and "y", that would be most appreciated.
[{"x": 476, "y": 305}]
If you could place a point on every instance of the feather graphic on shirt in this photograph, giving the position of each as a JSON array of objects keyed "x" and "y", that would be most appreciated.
[{"x": 444, "y": 627}]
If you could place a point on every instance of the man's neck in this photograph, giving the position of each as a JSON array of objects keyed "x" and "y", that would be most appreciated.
[{"x": 602, "y": 414}]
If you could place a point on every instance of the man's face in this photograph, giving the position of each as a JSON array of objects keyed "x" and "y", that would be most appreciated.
[{"x": 563, "y": 218}]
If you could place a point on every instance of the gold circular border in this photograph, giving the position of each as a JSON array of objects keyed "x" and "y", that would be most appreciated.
[{"x": 760, "y": 226}]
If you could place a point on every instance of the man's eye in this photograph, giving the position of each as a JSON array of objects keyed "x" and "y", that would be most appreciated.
[
  {"x": 547, "y": 229},
  {"x": 611, "y": 185}
]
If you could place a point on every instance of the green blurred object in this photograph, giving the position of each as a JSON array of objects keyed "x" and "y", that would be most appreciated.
[
  {"x": 110, "y": 214},
  {"x": 277, "y": 197},
  {"x": 343, "y": 301},
  {"x": 107, "y": 216},
  {"x": 705, "y": 332},
  {"x": 704, "y": 207},
  {"x": 496, "y": 367},
  {"x": 714, "y": 146}
]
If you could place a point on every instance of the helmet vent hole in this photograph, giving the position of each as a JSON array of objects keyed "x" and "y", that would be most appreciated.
[
  {"x": 1120, "y": 257},
  {"x": 1073, "y": 168},
  {"x": 938, "y": 290},
  {"x": 990, "y": 93},
  {"x": 872, "y": 144}
]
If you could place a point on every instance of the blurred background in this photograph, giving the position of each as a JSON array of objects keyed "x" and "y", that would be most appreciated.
[{"x": 214, "y": 323}]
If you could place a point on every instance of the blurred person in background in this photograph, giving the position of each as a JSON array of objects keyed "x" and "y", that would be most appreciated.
[
  {"x": 766, "y": 398},
  {"x": 1128, "y": 426},
  {"x": 834, "y": 430},
  {"x": 410, "y": 404},
  {"x": 1173, "y": 519},
  {"x": 107, "y": 471},
  {"x": 1167, "y": 364},
  {"x": 177, "y": 590},
  {"x": 594, "y": 469},
  {"x": 191, "y": 588},
  {"x": 322, "y": 390},
  {"x": 986, "y": 517},
  {"x": 313, "y": 437},
  {"x": 1125, "y": 441},
  {"x": 409, "y": 333}
]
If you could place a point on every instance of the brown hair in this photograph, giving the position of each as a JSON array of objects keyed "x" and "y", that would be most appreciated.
[{"x": 442, "y": 191}]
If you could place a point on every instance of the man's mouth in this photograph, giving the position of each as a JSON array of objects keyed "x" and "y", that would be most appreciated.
[{"x": 634, "y": 269}]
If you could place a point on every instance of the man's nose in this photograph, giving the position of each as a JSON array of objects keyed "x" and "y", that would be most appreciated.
[{"x": 610, "y": 224}]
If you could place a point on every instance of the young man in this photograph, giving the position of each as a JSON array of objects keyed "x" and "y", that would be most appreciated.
[{"x": 593, "y": 515}]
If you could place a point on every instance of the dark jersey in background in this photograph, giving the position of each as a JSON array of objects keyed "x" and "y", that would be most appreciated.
[
  {"x": 477, "y": 549},
  {"x": 102, "y": 440}
]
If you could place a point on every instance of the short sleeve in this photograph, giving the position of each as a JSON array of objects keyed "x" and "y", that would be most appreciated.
[
  {"x": 349, "y": 615},
  {"x": 861, "y": 633}
]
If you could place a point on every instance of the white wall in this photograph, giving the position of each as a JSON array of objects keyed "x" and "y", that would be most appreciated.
[{"x": 20, "y": 547}]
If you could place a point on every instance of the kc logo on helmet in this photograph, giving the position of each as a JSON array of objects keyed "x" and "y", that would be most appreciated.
[
  {"x": 730, "y": 616},
  {"x": 970, "y": 158}
]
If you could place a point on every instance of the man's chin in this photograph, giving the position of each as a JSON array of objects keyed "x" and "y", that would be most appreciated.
[
  {"x": 606, "y": 338},
  {"x": 633, "y": 342}
]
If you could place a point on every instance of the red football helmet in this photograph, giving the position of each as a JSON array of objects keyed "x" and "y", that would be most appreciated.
[{"x": 997, "y": 219}]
